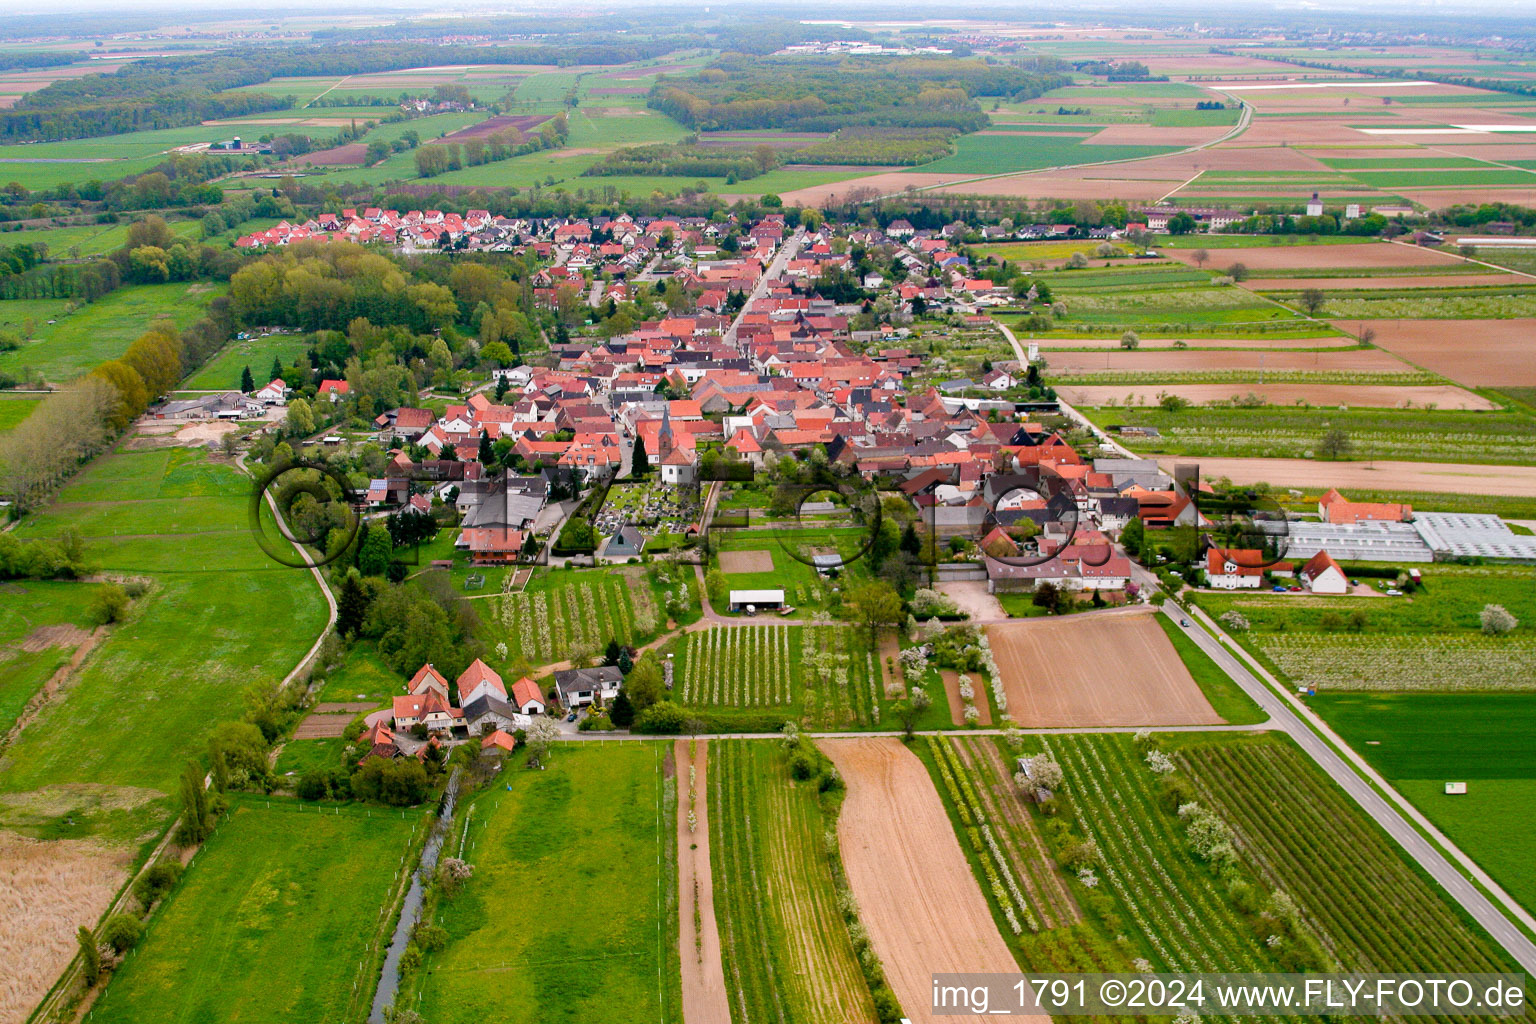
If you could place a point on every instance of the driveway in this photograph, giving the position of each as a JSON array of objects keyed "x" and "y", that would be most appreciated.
[{"x": 973, "y": 599}]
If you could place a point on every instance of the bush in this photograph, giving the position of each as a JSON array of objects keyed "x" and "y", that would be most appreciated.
[
  {"x": 122, "y": 932},
  {"x": 663, "y": 717},
  {"x": 156, "y": 882},
  {"x": 109, "y": 605},
  {"x": 1497, "y": 620}
]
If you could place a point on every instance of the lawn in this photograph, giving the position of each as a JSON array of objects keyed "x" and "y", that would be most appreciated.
[
  {"x": 1490, "y": 823},
  {"x": 363, "y": 676},
  {"x": 26, "y": 607},
  {"x": 223, "y": 370},
  {"x": 572, "y": 912},
  {"x": 803, "y": 587},
  {"x": 1016, "y": 151},
  {"x": 102, "y": 330},
  {"x": 272, "y": 921},
  {"x": 14, "y": 409},
  {"x": 785, "y": 951},
  {"x": 300, "y": 756},
  {"x": 219, "y": 617},
  {"x": 1225, "y": 695}
]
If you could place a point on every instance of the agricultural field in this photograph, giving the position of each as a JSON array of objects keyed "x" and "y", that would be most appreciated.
[
  {"x": 85, "y": 336},
  {"x": 582, "y": 858},
  {"x": 1428, "y": 640},
  {"x": 1496, "y": 437},
  {"x": 560, "y": 612},
  {"x": 785, "y": 951},
  {"x": 92, "y": 239},
  {"x": 1366, "y": 905},
  {"x": 282, "y": 915},
  {"x": 1419, "y": 742},
  {"x": 917, "y": 899},
  {"x": 822, "y": 677},
  {"x": 1006, "y": 152},
  {"x": 14, "y": 409},
  {"x": 1049, "y": 684},
  {"x": 176, "y": 520}
]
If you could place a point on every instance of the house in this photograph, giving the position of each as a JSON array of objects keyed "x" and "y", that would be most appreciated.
[
  {"x": 332, "y": 389},
  {"x": 429, "y": 709},
  {"x": 1334, "y": 508},
  {"x": 756, "y": 600},
  {"x": 274, "y": 393},
  {"x": 1234, "y": 568},
  {"x": 492, "y": 545},
  {"x": 497, "y": 742},
  {"x": 626, "y": 543},
  {"x": 1322, "y": 575},
  {"x": 479, "y": 680},
  {"x": 489, "y": 713},
  {"x": 581, "y": 687},
  {"x": 428, "y": 679},
  {"x": 527, "y": 698},
  {"x": 379, "y": 741}
]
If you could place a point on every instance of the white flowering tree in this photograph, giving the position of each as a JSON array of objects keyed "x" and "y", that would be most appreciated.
[{"x": 1497, "y": 620}]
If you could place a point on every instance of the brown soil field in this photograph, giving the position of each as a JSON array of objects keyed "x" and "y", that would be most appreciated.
[
  {"x": 917, "y": 897},
  {"x": 7, "y": 102},
  {"x": 1364, "y": 360},
  {"x": 1437, "y": 199},
  {"x": 1151, "y": 135},
  {"x": 1478, "y": 353},
  {"x": 47, "y": 890},
  {"x": 322, "y": 726},
  {"x": 1393, "y": 281},
  {"x": 1312, "y": 476},
  {"x": 351, "y": 155},
  {"x": 1301, "y": 131},
  {"x": 1270, "y": 344},
  {"x": 1066, "y": 185},
  {"x": 491, "y": 125},
  {"x": 746, "y": 561},
  {"x": 1103, "y": 669},
  {"x": 44, "y": 637},
  {"x": 817, "y": 195},
  {"x": 1371, "y": 396},
  {"x": 1364, "y": 256},
  {"x": 704, "y": 993}
]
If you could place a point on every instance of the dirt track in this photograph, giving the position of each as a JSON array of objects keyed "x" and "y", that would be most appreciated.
[
  {"x": 1096, "y": 670},
  {"x": 917, "y": 897},
  {"x": 1313, "y": 477},
  {"x": 704, "y": 996},
  {"x": 1333, "y": 257}
]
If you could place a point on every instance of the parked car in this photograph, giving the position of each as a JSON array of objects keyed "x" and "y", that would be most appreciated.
[
  {"x": 571, "y": 717},
  {"x": 1277, "y": 588}
]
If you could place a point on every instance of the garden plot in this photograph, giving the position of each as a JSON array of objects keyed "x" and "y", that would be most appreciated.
[
  {"x": 1096, "y": 669},
  {"x": 1406, "y": 663},
  {"x": 787, "y": 955},
  {"x": 746, "y": 561},
  {"x": 737, "y": 666},
  {"x": 568, "y": 611},
  {"x": 917, "y": 898}
]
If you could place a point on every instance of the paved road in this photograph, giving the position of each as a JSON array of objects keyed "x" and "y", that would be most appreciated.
[
  {"x": 1286, "y": 719},
  {"x": 1067, "y": 410},
  {"x": 775, "y": 270}
]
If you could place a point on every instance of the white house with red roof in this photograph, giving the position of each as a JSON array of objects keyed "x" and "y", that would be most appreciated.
[
  {"x": 1323, "y": 575},
  {"x": 480, "y": 680},
  {"x": 428, "y": 679},
  {"x": 527, "y": 697},
  {"x": 1234, "y": 568}
]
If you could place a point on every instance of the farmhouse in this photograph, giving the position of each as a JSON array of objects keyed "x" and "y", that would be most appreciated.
[
  {"x": 1322, "y": 575},
  {"x": 1234, "y": 568},
  {"x": 489, "y": 713},
  {"x": 428, "y": 679},
  {"x": 430, "y": 710},
  {"x": 580, "y": 687},
  {"x": 480, "y": 680},
  {"x": 1334, "y": 508}
]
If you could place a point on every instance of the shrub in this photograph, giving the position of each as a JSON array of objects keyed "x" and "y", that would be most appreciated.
[
  {"x": 1497, "y": 620},
  {"x": 1235, "y": 621},
  {"x": 156, "y": 882},
  {"x": 122, "y": 932},
  {"x": 663, "y": 717},
  {"x": 109, "y": 605}
]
